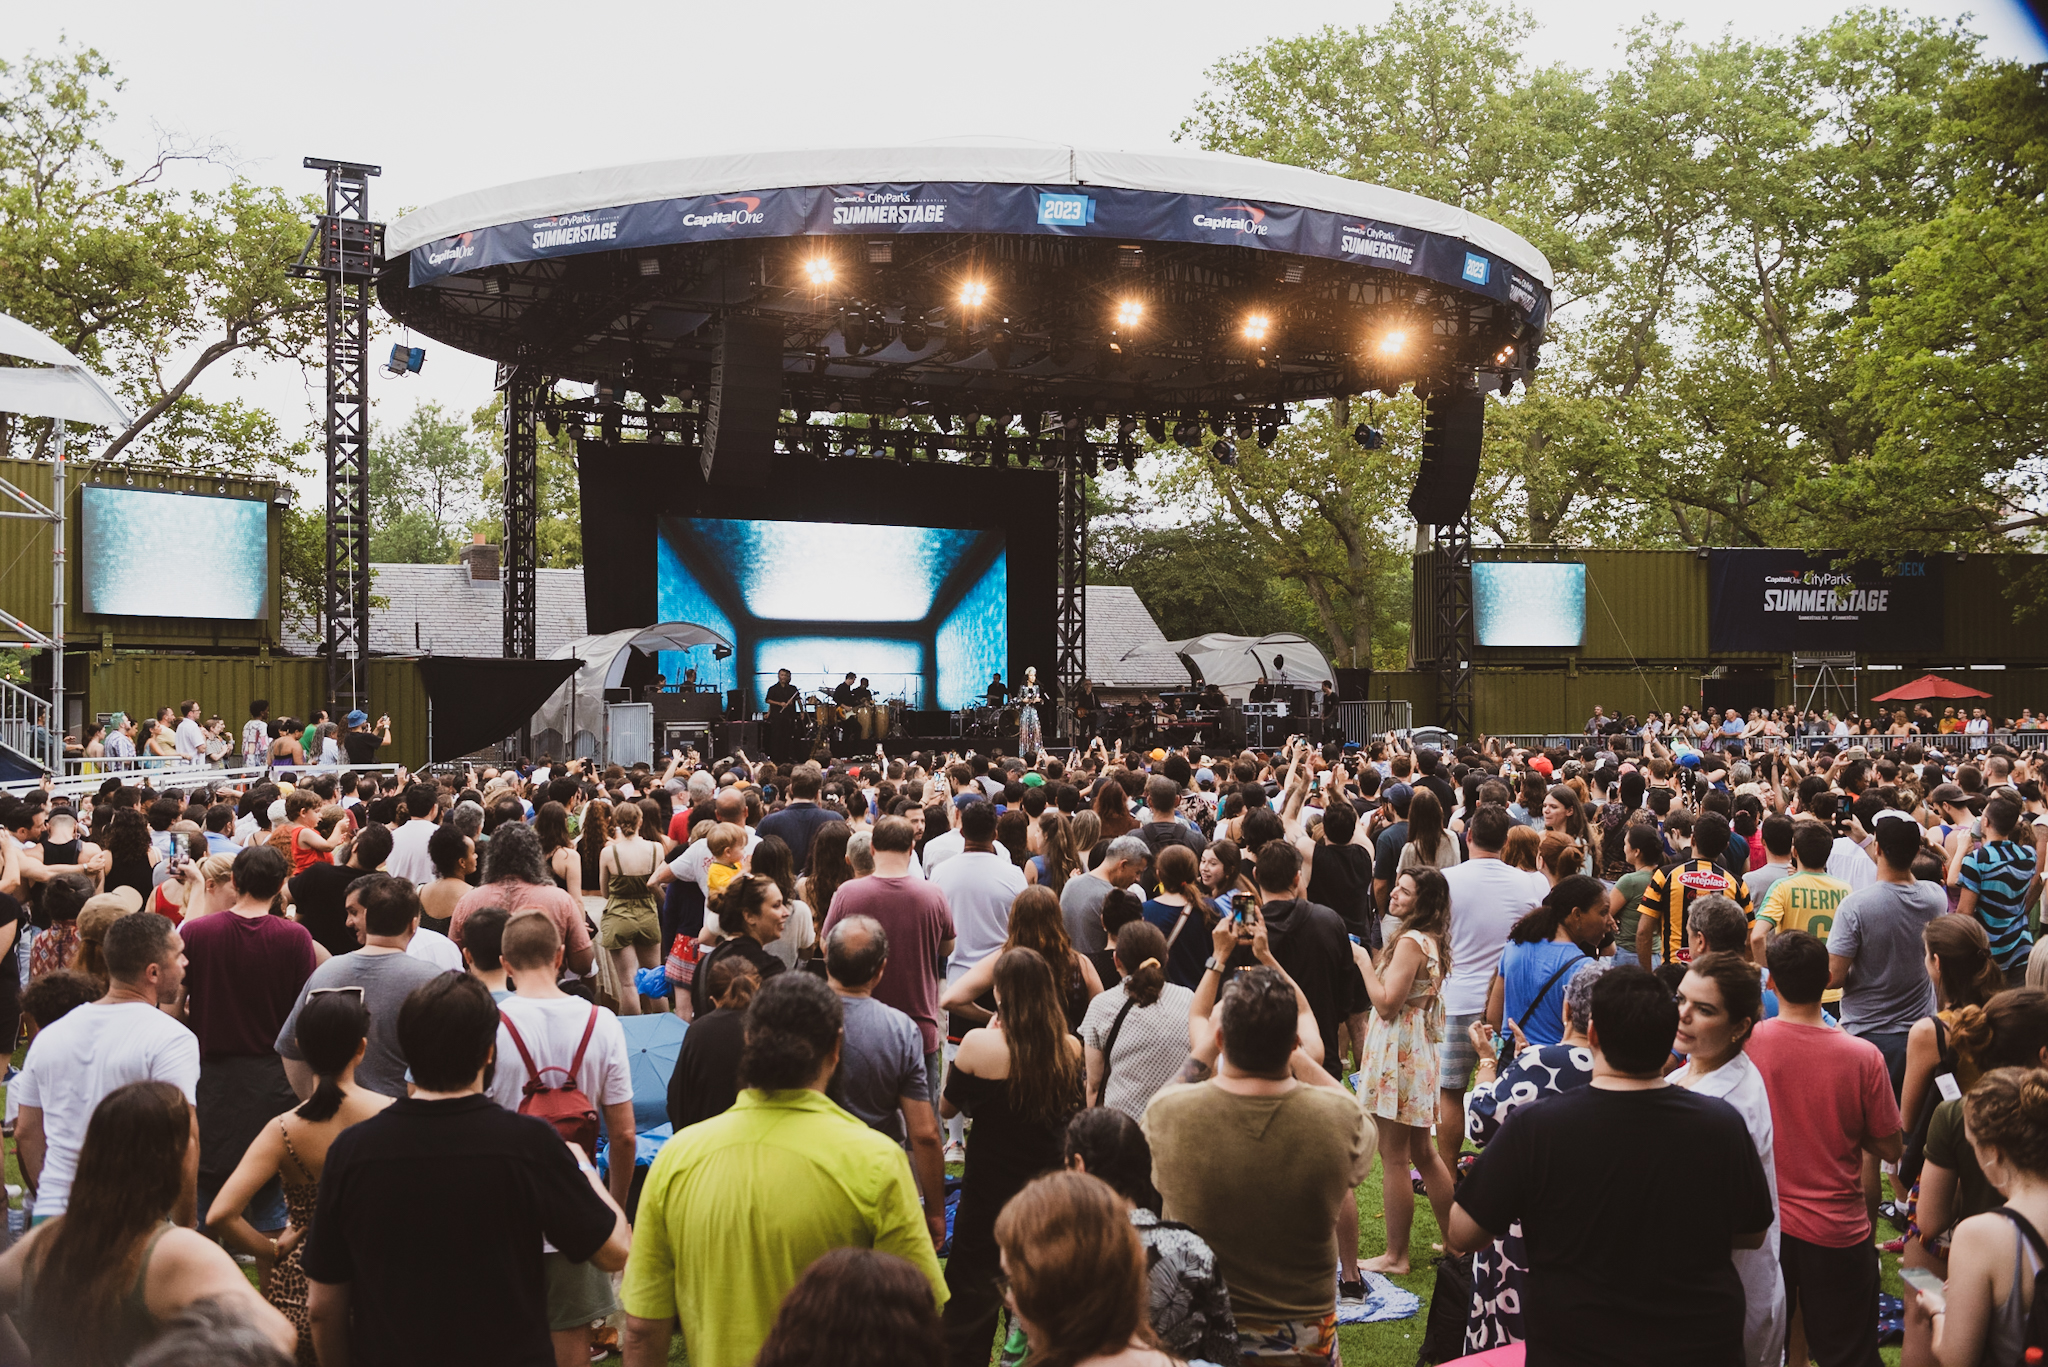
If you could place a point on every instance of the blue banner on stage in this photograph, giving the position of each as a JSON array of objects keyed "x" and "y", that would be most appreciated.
[{"x": 1089, "y": 211}]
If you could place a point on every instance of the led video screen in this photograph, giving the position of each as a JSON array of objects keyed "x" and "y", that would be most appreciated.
[
  {"x": 1521, "y": 603},
  {"x": 135, "y": 555},
  {"x": 920, "y": 612}
]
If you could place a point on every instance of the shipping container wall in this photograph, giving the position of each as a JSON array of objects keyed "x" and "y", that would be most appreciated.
[
  {"x": 225, "y": 685},
  {"x": 25, "y": 546}
]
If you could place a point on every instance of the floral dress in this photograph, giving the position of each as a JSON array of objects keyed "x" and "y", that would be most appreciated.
[
  {"x": 1397, "y": 1077},
  {"x": 1500, "y": 1271}
]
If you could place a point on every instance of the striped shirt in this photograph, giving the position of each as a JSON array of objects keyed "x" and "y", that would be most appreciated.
[
  {"x": 1674, "y": 888},
  {"x": 1998, "y": 871}
]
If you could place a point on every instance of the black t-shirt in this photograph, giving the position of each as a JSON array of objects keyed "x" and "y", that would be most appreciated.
[
  {"x": 1446, "y": 795},
  {"x": 706, "y": 1081},
  {"x": 1311, "y": 944},
  {"x": 748, "y": 948},
  {"x": 785, "y": 694},
  {"x": 434, "y": 1212},
  {"x": 1340, "y": 878},
  {"x": 361, "y": 746},
  {"x": 321, "y": 894},
  {"x": 1621, "y": 1273}
]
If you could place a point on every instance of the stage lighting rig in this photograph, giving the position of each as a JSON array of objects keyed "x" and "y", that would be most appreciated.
[
  {"x": 1393, "y": 343},
  {"x": 999, "y": 348},
  {"x": 820, "y": 271},
  {"x": 1129, "y": 313},
  {"x": 973, "y": 294},
  {"x": 1126, "y": 429},
  {"x": 1155, "y": 428},
  {"x": 1269, "y": 432},
  {"x": 1368, "y": 437},
  {"x": 1224, "y": 451},
  {"x": 1257, "y": 327},
  {"x": 914, "y": 335}
]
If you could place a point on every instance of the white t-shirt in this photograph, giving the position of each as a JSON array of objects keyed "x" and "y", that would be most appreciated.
[
  {"x": 552, "y": 1028},
  {"x": 437, "y": 949},
  {"x": 694, "y": 863},
  {"x": 1487, "y": 897},
  {"x": 1848, "y": 862},
  {"x": 799, "y": 933},
  {"x": 72, "y": 1065},
  {"x": 409, "y": 859},
  {"x": 1739, "y": 1083},
  {"x": 979, "y": 889},
  {"x": 942, "y": 847},
  {"x": 191, "y": 740}
]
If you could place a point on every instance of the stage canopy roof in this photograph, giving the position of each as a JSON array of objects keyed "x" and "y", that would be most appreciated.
[
  {"x": 602, "y": 664},
  {"x": 1235, "y": 663},
  {"x": 61, "y": 386},
  {"x": 957, "y": 278}
]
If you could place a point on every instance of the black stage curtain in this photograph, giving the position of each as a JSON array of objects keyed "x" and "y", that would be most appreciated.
[{"x": 479, "y": 702}]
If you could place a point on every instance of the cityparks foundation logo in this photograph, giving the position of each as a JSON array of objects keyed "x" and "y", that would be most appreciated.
[
  {"x": 884, "y": 208},
  {"x": 566, "y": 229},
  {"x": 458, "y": 248},
  {"x": 1361, "y": 239},
  {"x": 747, "y": 211},
  {"x": 1248, "y": 219}
]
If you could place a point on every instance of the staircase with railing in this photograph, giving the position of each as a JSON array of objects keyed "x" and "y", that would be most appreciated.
[{"x": 28, "y": 744}]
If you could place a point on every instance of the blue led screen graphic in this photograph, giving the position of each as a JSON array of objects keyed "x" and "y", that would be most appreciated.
[
  {"x": 130, "y": 540},
  {"x": 1524, "y": 603},
  {"x": 921, "y": 612}
]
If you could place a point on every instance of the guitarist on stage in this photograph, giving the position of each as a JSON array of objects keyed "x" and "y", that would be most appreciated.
[{"x": 782, "y": 699}]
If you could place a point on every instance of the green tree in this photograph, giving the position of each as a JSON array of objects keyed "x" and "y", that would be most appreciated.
[
  {"x": 152, "y": 285},
  {"x": 425, "y": 487},
  {"x": 560, "y": 529}
]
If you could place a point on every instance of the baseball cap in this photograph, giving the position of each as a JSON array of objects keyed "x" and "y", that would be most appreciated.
[
  {"x": 1396, "y": 795},
  {"x": 1950, "y": 793},
  {"x": 358, "y": 717},
  {"x": 962, "y": 799},
  {"x": 1541, "y": 764},
  {"x": 1205, "y": 775},
  {"x": 1690, "y": 759},
  {"x": 1156, "y": 756},
  {"x": 1033, "y": 779}
]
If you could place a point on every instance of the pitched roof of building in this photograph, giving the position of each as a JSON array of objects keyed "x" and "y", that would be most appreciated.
[
  {"x": 440, "y": 610},
  {"x": 1117, "y": 622}
]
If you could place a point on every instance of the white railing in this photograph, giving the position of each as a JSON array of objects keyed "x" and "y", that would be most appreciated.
[
  {"x": 86, "y": 776},
  {"x": 25, "y": 724}
]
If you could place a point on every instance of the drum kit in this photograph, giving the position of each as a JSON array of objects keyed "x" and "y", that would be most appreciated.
[
  {"x": 870, "y": 723},
  {"x": 987, "y": 723}
]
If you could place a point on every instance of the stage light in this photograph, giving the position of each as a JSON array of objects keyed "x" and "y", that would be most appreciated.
[
  {"x": 973, "y": 294},
  {"x": 1155, "y": 428},
  {"x": 1393, "y": 343},
  {"x": 1292, "y": 275},
  {"x": 1371, "y": 438},
  {"x": 650, "y": 265},
  {"x": 1256, "y": 326},
  {"x": 819, "y": 269},
  {"x": 1505, "y": 355},
  {"x": 915, "y": 335},
  {"x": 1224, "y": 451},
  {"x": 1126, "y": 428},
  {"x": 1129, "y": 313},
  {"x": 1089, "y": 463},
  {"x": 881, "y": 252},
  {"x": 853, "y": 331},
  {"x": 1130, "y": 258},
  {"x": 406, "y": 360},
  {"x": 999, "y": 348},
  {"x": 970, "y": 419},
  {"x": 902, "y": 410},
  {"x": 1268, "y": 433},
  {"x": 1507, "y": 383},
  {"x": 1187, "y": 433},
  {"x": 553, "y": 423},
  {"x": 1072, "y": 426}
]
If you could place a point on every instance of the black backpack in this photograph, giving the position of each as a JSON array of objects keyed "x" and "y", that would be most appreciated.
[{"x": 2035, "y": 1345}]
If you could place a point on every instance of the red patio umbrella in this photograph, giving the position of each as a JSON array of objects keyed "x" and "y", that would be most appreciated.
[{"x": 1929, "y": 686}]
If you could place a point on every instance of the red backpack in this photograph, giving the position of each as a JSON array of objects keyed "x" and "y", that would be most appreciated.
[{"x": 566, "y": 1107}]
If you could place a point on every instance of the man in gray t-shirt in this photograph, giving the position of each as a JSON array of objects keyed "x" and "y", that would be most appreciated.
[
  {"x": 881, "y": 1077},
  {"x": 1081, "y": 899},
  {"x": 1875, "y": 951},
  {"x": 386, "y": 910}
]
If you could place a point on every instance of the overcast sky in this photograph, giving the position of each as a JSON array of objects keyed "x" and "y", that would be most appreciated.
[{"x": 449, "y": 98}]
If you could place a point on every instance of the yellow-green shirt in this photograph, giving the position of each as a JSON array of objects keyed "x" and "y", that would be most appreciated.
[
  {"x": 1805, "y": 901},
  {"x": 736, "y": 1207}
]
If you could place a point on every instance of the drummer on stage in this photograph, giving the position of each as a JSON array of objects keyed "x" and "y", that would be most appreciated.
[
  {"x": 782, "y": 699},
  {"x": 998, "y": 692}
]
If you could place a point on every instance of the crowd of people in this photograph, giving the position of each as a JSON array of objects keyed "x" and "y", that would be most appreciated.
[
  {"x": 1777, "y": 727},
  {"x": 331, "y": 1068}
]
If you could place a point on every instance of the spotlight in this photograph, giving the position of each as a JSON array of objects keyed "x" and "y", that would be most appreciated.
[
  {"x": 902, "y": 410},
  {"x": 1129, "y": 313},
  {"x": 1130, "y": 258},
  {"x": 1256, "y": 326},
  {"x": 1155, "y": 428},
  {"x": 406, "y": 360},
  {"x": 1224, "y": 451},
  {"x": 1505, "y": 355},
  {"x": 819, "y": 269},
  {"x": 853, "y": 330},
  {"x": 1292, "y": 275},
  {"x": 881, "y": 252},
  {"x": 1188, "y": 434},
  {"x": 999, "y": 348},
  {"x": 1126, "y": 428},
  {"x": 1393, "y": 343},
  {"x": 1072, "y": 425},
  {"x": 970, "y": 420},
  {"x": 1089, "y": 463},
  {"x": 1268, "y": 433},
  {"x": 915, "y": 335},
  {"x": 1032, "y": 419},
  {"x": 1507, "y": 383},
  {"x": 650, "y": 265},
  {"x": 973, "y": 294},
  {"x": 1370, "y": 438},
  {"x": 553, "y": 423}
]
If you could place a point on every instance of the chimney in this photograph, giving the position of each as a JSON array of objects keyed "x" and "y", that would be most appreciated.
[{"x": 481, "y": 558}]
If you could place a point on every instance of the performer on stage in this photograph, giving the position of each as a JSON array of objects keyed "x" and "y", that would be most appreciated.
[
  {"x": 782, "y": 699},
  {"x": 1030, "y": 736},
  {"x": 998, "y": 693},
  {"x": 843, "y": 694},
  {"x": 862, "y": 694}
]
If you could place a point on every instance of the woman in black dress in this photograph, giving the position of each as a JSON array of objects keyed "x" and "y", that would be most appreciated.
[{"x": 1019, "y": 1077}]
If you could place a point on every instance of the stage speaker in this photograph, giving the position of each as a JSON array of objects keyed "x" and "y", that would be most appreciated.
[
  {"x": 745, "y": 401},
  {"x": 1353, "y": 685},
  {"x": 618, "y": 695},
  {"x": 1451, "y": 430},
  {"x": 739, "y": 735}
]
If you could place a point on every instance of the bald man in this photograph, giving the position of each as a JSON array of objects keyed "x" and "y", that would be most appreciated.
[
  {"x": 881, "y": 1063},
  {"x": 694, "y": 863}
]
